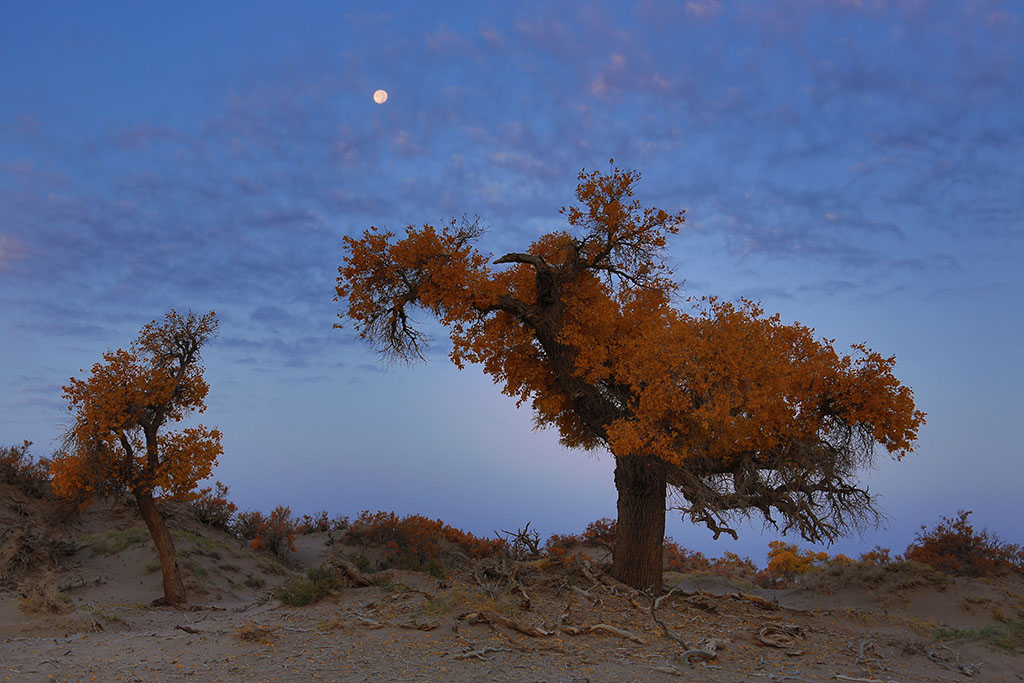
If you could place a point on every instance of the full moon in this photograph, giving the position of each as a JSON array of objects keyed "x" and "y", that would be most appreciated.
[{"x": 380, "y": 97}]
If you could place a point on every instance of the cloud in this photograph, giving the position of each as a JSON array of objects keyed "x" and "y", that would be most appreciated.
[{"x": 11, "y": 251}]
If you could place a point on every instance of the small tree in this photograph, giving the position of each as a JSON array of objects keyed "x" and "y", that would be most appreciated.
[
  {"x": 733, "y": 411},
  {"x": 116, "y": 440}
]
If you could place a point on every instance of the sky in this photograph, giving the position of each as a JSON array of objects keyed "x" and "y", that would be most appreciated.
[{"x": 856, "y": 166}]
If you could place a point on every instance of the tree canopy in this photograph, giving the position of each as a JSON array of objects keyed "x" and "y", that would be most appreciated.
[
  {"x": 742, "y": 412},
  {"x": 116, "y": 440}
]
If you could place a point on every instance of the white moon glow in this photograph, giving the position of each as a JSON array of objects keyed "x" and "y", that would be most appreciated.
[{"x": 380, "y": 97}]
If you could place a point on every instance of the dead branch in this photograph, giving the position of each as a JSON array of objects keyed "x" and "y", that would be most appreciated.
[
  {"x": 601, "y": 628},
  {"x": 587, "y": 594},
  {"x": 957, "y": 665},
  {"x": 841, "y": 677},
  {"x": 698, "y": 654},
  {"x": 479, "y": 654},
  {"x": 491, "y": 618},
  {"x": 351, "y": 572},
  {"x": 862, "y": 655},
  {"x": 655, "y": 603},
  {"x": 783, "y": 635},
  {"x": 755, "y": 600}
]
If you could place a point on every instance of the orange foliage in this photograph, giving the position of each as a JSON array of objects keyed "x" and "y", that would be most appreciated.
[
  {"x": 598, "y": 534},
  {"x": 119, "y": 410},
  {"x": 276, "y": 532},
  {"x": 878, "y": 556},
  {"x": 954, "y": 547},
  {"x": 412, "y": 541},
  {"x": 583, "y": 327},
  {"x": 786, "y": 562},
  {"x": 213, "y": 507},
  {"x": 18, "y": 467}
]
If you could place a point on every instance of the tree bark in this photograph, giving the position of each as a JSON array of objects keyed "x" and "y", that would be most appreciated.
[
  {"x": 174, "y": 587},
  {"x": 640, "y": 531}
]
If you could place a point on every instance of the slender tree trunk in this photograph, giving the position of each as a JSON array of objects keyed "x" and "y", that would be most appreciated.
[
  {"x": 174, "y": 587},
  {"x": 640, "y": 530}
]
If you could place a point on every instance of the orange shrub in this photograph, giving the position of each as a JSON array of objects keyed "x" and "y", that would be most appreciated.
[
  {"x": 786, "y": 562},
  {"x": 878, "y": 556},
  {"x": 678, "y": 559},
  {"x": 212, "y": 507},
  {"x": 322, "y": 522},
  {"x": 599, "y": 534},
  {"x": 412, "y": 541},
  {"x": 954, "y": 547},
  {"x": 19, "y": 468},
  {"x": 276, "y": 532}
]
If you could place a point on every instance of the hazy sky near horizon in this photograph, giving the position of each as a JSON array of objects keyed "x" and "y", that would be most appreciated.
[{"x": 857, "y": 166}]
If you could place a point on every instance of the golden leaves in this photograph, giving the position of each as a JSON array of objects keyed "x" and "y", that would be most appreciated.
[
  {"x": 124, "y": 403},
  {"x": 582, "y": 325}
]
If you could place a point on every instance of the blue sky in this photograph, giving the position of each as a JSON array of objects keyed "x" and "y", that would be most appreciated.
[{"x": 856, "y": 166}]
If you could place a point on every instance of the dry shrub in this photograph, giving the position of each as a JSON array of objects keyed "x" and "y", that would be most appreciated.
[
  {"x": 878, "y": 557},
  {"x": 787, "y": 563},
  {"x": 255, "y": 633},
  {"x": 954, "y": 547},
  {"x": 212, "y": 507},
  {"x": 598, "y": 534},
  {"x": 247, "y": 525},
  {"x": 276, "y": 532},
  {"x": 412, "y": 542},
  {"x": 40, "y": 595},
  {"x": 318, "y": 584},
  {"x": 679, "y": 559},
  {"x": 21, "y": 469},
  {"x": 23, "y": 552},
  {"x": 321, "y": 522}
]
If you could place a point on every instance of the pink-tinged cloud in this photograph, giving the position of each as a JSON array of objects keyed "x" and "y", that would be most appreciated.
[
  {"x": 493, "y": 38},
  {"x": 703, "y": 9},
  {"x": 11, "y": 250}
]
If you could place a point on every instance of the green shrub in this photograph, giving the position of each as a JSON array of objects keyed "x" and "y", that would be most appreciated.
[{"x": 318, "y": 584}]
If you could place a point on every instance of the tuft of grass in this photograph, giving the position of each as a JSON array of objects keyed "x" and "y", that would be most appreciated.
[
  {"x": 1006, "y": 636},
  {"x": 362, "y": 562},
  {"x": 255, "y": 633},
  {"x": 254, "y": 581},
  {"x": 318, "y": 584},
  {"x": 106, "y": 615},
  {"x": 116, "y": 541},
  {"x": 151, "y": 567}
]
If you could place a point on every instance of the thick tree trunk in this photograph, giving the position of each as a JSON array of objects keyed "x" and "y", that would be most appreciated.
[
  {"x": 640, "y": 530},
  {"x": 174, "y": 587}
]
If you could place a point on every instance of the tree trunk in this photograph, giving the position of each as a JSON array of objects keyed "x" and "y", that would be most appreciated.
[
  {"x": 640, "y": 530},
  {"x": 174, "y": 587}
]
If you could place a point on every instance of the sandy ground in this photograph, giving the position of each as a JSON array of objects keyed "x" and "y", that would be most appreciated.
[{"x": 469, "y": 625}]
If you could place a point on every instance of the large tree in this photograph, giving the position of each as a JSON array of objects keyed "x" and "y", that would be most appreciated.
[
  {"x": 117, "y": 440},
  {"x": 731, "y": 411}
]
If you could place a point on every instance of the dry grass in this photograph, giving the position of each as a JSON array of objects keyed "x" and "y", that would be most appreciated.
[
  {"x": 41, "y": 596},
  {"x": 253, "y": 632}
]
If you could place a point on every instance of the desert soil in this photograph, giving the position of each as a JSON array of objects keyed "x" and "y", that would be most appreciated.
[{"x": 492, "y": 621}]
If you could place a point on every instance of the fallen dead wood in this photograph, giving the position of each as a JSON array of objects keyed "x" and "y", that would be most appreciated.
[
  {"x": 351, "y": 572},
  {"x": 491, "y": 618},
  {"x": 783, "y": 635},
  {"x": 757, "y": 600},
  {"x": 601, "y": 628},
  {"x": 479, "y": 654},
  {"x": 655, "y": 603},
  {"x": 862, "y": 652},
  {"x": 699, "y": 654},
  {"x": 956, "y": 665},
  {"x": 841, "y": 677},
  {"x": 411, "y": 625}
]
